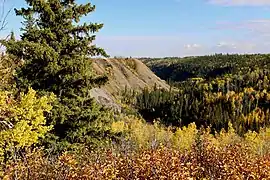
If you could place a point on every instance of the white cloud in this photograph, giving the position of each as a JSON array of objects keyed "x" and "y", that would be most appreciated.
[
  {"x": 241, "y": 2},
  {"x": 153, "y": 46},
  {"x": 237, "y": 47},
  {"x": 250, "y": 36},
  {"x": 226, "y": 45},
  {"x": 162, "y": 46},
  {"x": 192, "y": 46},
  {"x": 259, "y": 27}
]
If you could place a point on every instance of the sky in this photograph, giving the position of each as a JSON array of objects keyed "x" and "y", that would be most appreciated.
[{"x": 165, "y": 28}]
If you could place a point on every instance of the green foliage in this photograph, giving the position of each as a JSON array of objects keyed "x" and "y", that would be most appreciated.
[
  {"x": 8, "y": 67},
  {"x": 56, "y": 50},
  {"x": 22, "y": 119},
  {"x": 241, "y": 98},
  {"x": 208, "y": 67}
]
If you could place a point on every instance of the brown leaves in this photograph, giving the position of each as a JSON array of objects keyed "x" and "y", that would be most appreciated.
[{"x": 206, "y": 161}]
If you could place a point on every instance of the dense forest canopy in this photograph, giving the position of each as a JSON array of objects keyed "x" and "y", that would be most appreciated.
[
  {"x": 211, "y": 91},
  {"x": 210, "y": 66}
]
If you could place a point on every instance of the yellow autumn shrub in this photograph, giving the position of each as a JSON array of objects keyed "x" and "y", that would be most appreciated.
[
  {"x": 22, "y": 120},
  {"x": 184, "y": 138},
  {"x": 223, "y": 138},
  {"x": 259, "y": 142},
  {"x": 223, "y": 155},
  {"x": 147, "y": 135},
  {"x": 143, "y": 134}
]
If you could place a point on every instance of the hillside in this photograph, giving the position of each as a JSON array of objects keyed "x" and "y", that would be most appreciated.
[
  {"x": 212, "y": 66},
  {"x": 123, "y": 73},
  {"x": 214, "y": 91}
]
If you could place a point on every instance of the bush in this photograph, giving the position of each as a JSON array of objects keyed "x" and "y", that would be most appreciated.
[
  {"x": 141, "y": 135},
  {"x": 22, "y": 122},
  {"x": 205, "y": 160}
]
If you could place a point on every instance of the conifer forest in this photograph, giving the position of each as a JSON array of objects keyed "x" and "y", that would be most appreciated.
[{"x": 206, "y": 117}]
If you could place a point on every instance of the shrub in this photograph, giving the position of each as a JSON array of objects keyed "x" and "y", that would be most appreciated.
[
  {"x": 207, "y": 162},
  {"x": 22, "y": 122},
  {"x": 259, "y": 142}
]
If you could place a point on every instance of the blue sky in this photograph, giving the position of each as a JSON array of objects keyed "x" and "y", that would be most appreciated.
[{"x": 158, "y": 28}]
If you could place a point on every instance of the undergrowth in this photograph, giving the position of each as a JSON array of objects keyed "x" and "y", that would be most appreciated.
[{"x": 146, "y": 151}]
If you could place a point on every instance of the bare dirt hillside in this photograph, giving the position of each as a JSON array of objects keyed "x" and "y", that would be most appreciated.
[{"x": 123, "y": 73}]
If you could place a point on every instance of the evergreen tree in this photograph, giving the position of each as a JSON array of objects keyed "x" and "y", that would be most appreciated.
[{"x": 56, "y": 50}]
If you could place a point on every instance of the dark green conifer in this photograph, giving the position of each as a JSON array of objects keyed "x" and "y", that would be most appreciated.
[{"x": 56, "y": 50}]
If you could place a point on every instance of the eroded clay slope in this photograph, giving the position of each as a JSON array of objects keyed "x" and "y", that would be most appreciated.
[{"x": 123, "y": 73}]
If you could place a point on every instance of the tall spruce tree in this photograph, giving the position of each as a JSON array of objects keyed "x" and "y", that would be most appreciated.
[{"x": 56, "y": 51}]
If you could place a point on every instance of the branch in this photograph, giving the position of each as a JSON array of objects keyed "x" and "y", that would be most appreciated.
[
  {"x": 3, "y": 17},
  {"x": 9, "y": 125}
]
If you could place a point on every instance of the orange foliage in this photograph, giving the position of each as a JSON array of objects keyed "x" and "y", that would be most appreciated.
[{"x": 203, "y": 161}]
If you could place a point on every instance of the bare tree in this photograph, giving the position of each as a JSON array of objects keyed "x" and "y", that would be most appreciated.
[
  {"x": 3, "y": 16},
  {"x": 3, "y": 22}
]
